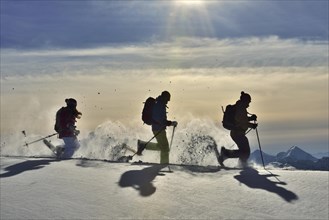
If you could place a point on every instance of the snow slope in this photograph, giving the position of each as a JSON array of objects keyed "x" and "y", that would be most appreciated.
[{"x": 43, "y": 188}]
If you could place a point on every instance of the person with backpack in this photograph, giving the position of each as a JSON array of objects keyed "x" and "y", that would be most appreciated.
[
  {"x": 154, "y": 113},
  {"x": 65, "y": 126},
  {"x": 236, "y": 120}
]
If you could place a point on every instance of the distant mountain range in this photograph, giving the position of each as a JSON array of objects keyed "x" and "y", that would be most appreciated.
[
  {"x": 294, "y": 157},
  {"x": 321, "y": 154}
]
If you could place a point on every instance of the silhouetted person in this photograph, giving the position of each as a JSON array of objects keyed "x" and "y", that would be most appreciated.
[
  {"x": 238, "y": 133},
  {"x": 65, "y": 126},
  {"x": 159, "y": 124}
]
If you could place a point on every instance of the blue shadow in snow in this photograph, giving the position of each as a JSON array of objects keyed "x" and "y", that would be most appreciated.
[
  {"x": 141, "y": 180},
  {"x": 24, "y": 166},
  {"x": 251, "y": 178}
]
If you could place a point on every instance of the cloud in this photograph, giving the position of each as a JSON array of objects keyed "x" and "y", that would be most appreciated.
[
  {"x": 89, "y": 24},
  {"x": 181, "y": 53}
]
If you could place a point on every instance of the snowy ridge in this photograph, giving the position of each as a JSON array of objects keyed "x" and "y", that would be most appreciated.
[
  {"x": 44, "y": 188},
  {"x": 96, "y": 185}
]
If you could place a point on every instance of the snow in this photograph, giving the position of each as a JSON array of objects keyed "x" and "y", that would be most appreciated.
[
  {"x": 43, "y": 188},
  {"x": 35, "y": 186}
]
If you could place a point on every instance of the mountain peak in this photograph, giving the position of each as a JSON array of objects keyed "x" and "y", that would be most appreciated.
[
  {"x": 298, "y": 154},
  {"x": 295, "y": 157},
  {"x": 295, "y": 148}
]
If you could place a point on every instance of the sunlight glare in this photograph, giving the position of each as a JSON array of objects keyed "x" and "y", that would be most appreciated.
[{"x": 191, "y": 3}]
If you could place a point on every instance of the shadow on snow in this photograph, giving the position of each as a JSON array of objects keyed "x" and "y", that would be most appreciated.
[
  {"x": 251, "y": 178},
  {"x": 141, "y": 180},
  {"x": 24, "y": 166}
]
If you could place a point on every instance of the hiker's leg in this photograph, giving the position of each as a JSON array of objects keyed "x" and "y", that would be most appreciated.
[
  {"x": 71, "y": 145},
  {"x": 232, "y": 153},
  {"x": 244, "y": 149},
  {"x": 163, "y": 144}
]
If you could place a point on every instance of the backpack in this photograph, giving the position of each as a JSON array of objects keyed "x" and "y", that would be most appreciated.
[
  {"x": 147, "y": 111},
  {"x": 229, "y": 117},
  {"x": 57, "y": 126}
]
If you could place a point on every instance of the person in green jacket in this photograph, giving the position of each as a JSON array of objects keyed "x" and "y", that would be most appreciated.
[
  {"x": 159, "y": 124},
  {"x": 238, "y": 134}
]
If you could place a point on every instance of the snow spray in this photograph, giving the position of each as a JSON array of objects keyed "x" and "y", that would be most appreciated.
[{"x": 193, "y": 142}]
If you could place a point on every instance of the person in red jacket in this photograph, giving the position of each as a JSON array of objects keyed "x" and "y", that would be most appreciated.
[{"x": 65, "y": 126}]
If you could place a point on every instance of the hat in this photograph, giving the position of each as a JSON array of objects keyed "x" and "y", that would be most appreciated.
[
  {"x": 165, "y": 95},
  {"x": 71, "y": 102},
  {"x": 245, "y": 97}
]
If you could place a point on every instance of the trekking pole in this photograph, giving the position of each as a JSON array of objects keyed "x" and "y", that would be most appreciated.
[
  {"x": 27, "y": 144},
  {"x": 261, "y": 153},
  {"x": 164, "y": 127},
  {"x": 172, "y": 137},
  {"x": 156, "y": 135}
]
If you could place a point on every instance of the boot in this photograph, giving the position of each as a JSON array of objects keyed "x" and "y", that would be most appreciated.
[
  {"x": 140, "y": 147},
  {"x": 222, "y": 156}
]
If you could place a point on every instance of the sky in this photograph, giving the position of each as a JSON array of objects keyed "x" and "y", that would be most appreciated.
[{"x": 112, "y": 55}]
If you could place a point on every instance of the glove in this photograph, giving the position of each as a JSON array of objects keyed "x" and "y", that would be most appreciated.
[
  {"x": 76, "y": 132},
  {"x": 70, "y": 127},
  {"x": 253, "y": 118},
  {"x": 174, "y": 123},
  {"x": 253, "y": 126}
]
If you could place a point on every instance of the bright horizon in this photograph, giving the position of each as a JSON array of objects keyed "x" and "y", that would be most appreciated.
[{"x": 204, "y": 54}]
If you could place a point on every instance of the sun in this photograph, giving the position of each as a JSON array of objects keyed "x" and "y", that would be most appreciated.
[
  {"x": 189, "y": 17},
  {"x": 191, "y": 3}
]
